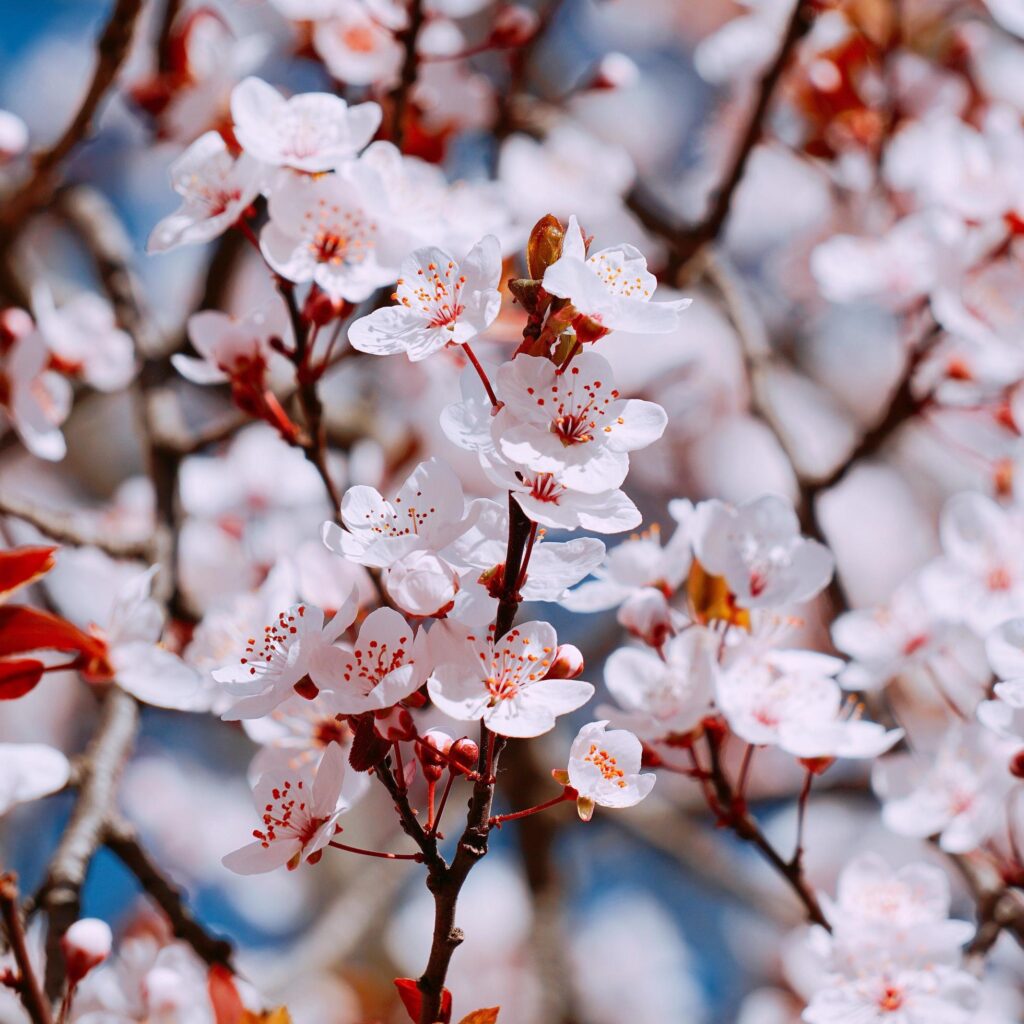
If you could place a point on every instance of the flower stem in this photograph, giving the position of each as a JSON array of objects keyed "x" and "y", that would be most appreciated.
[
  {"x": 482, "y": 374},
  {"x": 377, "y": 853},
  {"x": 566, "y": 794}
]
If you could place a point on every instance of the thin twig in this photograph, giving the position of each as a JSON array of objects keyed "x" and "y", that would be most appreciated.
[
  {"x": 687, "y": 241},
  {"x": 27, "y": 983},
  {"x": 36, "y": 192},
  {"x": 101, "y": 768},
  {"x": 121, "y": 839},
  {"x": 408, "y": 38}
]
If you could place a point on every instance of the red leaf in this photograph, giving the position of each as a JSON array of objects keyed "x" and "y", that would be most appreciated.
[
  {"x": 487, "y": 1016},
  {"x": 412, "y": 1000},
  {"x": 19, "y": 677},
  {"x": 20, "y": 566},
  {"x": 28, "y": 629},
  {"x": 227, "y": 1003}
]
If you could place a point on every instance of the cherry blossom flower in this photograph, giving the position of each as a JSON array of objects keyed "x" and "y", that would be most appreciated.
[
  {"x": 980, "y": 579},
  {"x": 146, "y": 981},
  {"x": 439, "y": 302},
  {"x": 1005, "y": 648},
  {"x": 314, "y": 131},
  {"x": 356, "y": 49},
  {"x": 502, "y": 682},
  {"x": 957, "y": 793},
  {"x": 295, "y": 653},
  {"x": 604, "y": 769},
  {"x": 387, "y": 663},
  {"x": 898, "y": 997},
  {"x": 757, "y": 547},
  {"x": 299, "y": 811},
  {"x": 33, "y": 401},
  {"x": 216, "y": 190},
  {"x": 133, "y": 655},
  {"x": 571, "y": 423},
  {"x": 321, "y": 230},
  {"x": 639, "y": 562},
  {"x": 84, "y": 339},
  {"x": 428, "y": 513},
  {"x": 479, "y": 555},
  {"x": 790, "y": 699},
  {"x": 663, "y": 697},
  {"x": 231, "y": 349},
  {"x": 29, "y": 771},
  {"x": 905, "y": 641},
  {"x": 612, "y": 288}
]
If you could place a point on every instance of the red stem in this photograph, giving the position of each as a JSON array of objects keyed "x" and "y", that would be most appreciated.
[
  {"x": 566, "y": 794},
  {"x": 377, "y": 853},
  {"x": 482, "y": 374}
]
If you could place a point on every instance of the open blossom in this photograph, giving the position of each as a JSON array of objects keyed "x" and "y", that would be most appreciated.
[
  {"x": 479, "y": 555},
  {"x": 790, "y": 699},
  {"x": 299, "y": 811},
  {"x": 663, "y": 697},
  {"x": 233, "y": 350},
  {"x": 757, "y": 547},
  {"x": 216, "y": 189},
  {"x": 956, "y": 792},
  {"x": 134, "y": 655},
  {"x": 604, "y": 769},
  {"x": 296, "y": 653},
  {"x": 29, "y": 771},
  {"x": 612, "y": 289},
  {"x": 502, "y": 682},
  {"x": 427, "y": 514},
  {"x": 314, "y": 131},
  {"x": 572, "y": 423},
  {"x": 33, "y": 400},
  {"x": 438, "y": 302},
  {"x": 356, "y": 48},
  {"x": 322, "y": 230},
  {"x": 84, "y": 339},
  {"x": 386, "y": 663},
  {"x": 1005, "y": 713},
  {"x": 980, "y": 579},
  {"x": 905, "y": 640}
]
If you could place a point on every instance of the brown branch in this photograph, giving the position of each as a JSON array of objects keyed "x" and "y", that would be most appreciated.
[
  {"x": 163, "y": 48},
  {"x": 121, "y": 839},
  {"x": 999, "y": 906},
  {"x": 686, "y": 241},
  {"x": 26, "y": 983},
  {"x": 36, "y": 192},
  {"x": 408, "y": 38},
  {"x": 733, "y": 814},
  {"x": 67, "y": 528},
  {"x": 101, "y": 768}
]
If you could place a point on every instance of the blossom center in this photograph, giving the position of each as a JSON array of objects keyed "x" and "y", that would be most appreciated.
[{"x": 606, "y": 764}]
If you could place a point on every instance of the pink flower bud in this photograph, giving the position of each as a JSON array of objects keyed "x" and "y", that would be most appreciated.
[
  {"x": 14, "y": 323},
  {"x": 433, "y": 753},
  {"x": 615, "y": 71},
  {"x": 85, "y": 945},
  {"x": 465, "y": 754},
  {"x": 514, "y": 25},
  {"x": 567, "y": 664}
]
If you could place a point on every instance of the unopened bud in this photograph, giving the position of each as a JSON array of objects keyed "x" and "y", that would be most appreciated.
[
  {"x": 433, "y": 753},
  {"x": 1017, "y": 764},
  {"x": 465, "y": 754},
  {"x": 567, "y": 664},
  {"x": 615, "y": 71},
  {"x": 14, "y": 323},
  {"x": 544, "y": 246},
  {"x": 320, "y": 308},
  {"x": 85, "y": 945},
  {"x": 514, "y": 25}
]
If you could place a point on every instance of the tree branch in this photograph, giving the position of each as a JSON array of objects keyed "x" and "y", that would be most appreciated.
[
  {"x": 121, "y": 839},
  {"x": 408, "y": 37},
  {"x": 686, "y": 241},
  {"x": 101, "y": 768},
  {"x": 36, "y": 192},
  {"x": 26, "y": 983}
]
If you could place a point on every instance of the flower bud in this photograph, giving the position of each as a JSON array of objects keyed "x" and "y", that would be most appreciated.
[
  {"x": 514, "y": 25},
  {"x": 320, "y": 308},
  {"x": 567, "y": 663},
  {"x": 544, "y": 246},
  {"x": 465, "y": 754},
  {"x": 14, "y": 323},
  {"x": 615, "y": 71},
  {"x": 85, "y": 945},
  {"x": 433, "y": 753},
  {"x": 1017, "y": 764}
]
